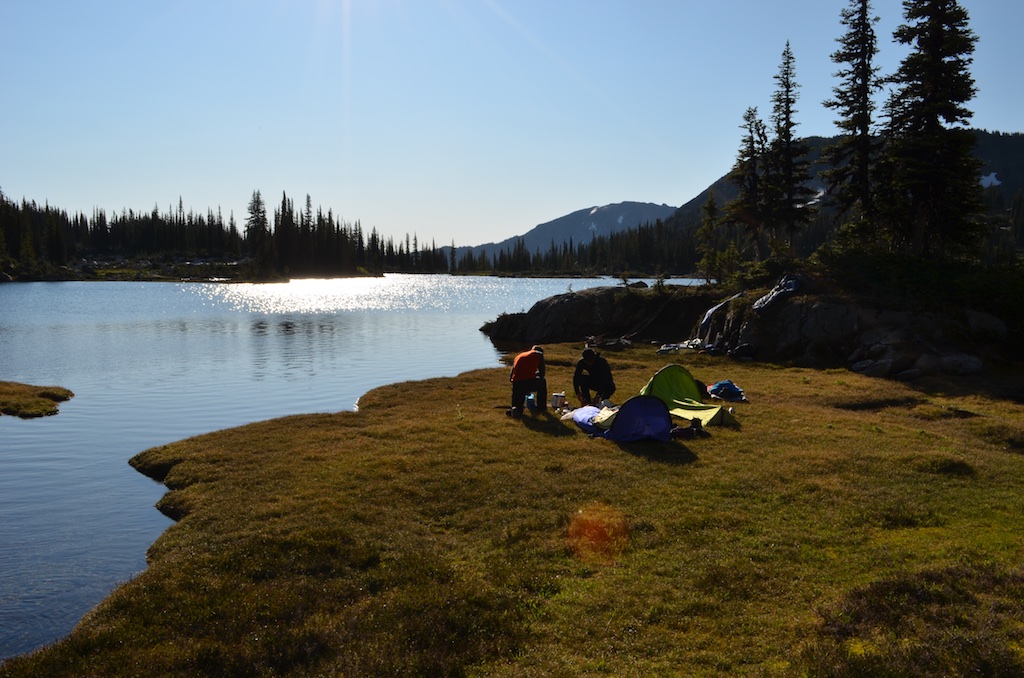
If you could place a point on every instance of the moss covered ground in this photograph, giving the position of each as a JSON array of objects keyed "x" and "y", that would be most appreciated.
[{"x": 26, "y": 401}]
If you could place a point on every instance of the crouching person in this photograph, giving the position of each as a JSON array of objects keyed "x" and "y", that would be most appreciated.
[
  {"x": 527, "y": 376},
  {"x": 592, "y": 374}
]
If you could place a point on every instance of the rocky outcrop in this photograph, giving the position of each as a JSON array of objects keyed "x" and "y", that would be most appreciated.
[
  {"x": 636, "y": 313},
  {"x": 816, "y": 332},
  {"x": 794, "y": 324}
]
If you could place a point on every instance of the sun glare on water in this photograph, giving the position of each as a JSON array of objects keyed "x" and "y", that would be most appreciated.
[{"x": 387, "y": 293}]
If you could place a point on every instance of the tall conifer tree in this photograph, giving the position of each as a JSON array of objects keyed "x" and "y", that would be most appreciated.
[
  {"x": 257, "y": 236},
  {"x": 935, "y": 190},
  {"x": 852, "y": 157},
  {"x": 747, "y": 209},
  {"x": 789, "y": 195},
  {"x": 707, "y": 239}
]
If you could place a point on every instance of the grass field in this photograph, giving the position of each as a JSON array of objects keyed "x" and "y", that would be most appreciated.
[{"x": 848, "y": 526}]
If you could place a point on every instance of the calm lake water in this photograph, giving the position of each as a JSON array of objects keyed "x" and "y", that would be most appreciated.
[{"x": 152, "y": 363}]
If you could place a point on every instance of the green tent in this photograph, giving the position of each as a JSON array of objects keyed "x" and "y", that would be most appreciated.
[{"x": 679, "y": 390}]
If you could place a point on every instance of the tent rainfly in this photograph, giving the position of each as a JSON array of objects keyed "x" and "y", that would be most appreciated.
[{"x": 679, "y": 391}]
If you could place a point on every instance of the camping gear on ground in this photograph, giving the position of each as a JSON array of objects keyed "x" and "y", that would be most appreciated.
[
  {"x": 604, "y": 418},
  {"x": 558, "y": 400},
  {"x": 705, "y": 323},
  {"x": 679, "y": 391},
  {"x": 695, "y": 344},
  {"x": 726, "y": 390},
  {"x": 789, "y": 285},
  {"x": 694, "y": 430},
  {"x": 639, "y": 418},
  {"x": 584, "y": 418}
]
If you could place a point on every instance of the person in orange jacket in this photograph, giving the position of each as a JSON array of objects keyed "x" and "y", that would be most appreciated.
[{"x": 527, "y": 376}]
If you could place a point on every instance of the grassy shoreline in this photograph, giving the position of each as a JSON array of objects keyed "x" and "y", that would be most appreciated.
[
  {"x": 27, "y": 401},
  {"x": 848, "y": 524}
]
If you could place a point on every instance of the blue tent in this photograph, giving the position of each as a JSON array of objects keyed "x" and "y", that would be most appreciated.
[{"x": 639, "y": 418}]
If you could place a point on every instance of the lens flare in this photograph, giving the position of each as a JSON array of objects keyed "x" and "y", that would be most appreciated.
[{"x": 598, "y": 533}]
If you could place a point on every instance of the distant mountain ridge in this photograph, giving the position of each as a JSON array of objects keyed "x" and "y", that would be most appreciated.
[
  {"x": 1002, "y": 156},
  {"x": 580, "y": 226}
]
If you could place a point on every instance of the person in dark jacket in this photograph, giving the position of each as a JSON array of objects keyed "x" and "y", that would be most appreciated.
[
  {"x": 527, "y": 376},
  {"x": 592, "y": 374}
]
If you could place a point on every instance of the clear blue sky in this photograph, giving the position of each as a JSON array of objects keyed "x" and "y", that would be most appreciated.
[{"x": 454, "y": 120}]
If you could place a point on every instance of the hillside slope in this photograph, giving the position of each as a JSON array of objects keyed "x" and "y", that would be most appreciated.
[{"x": 579, "y": 226}]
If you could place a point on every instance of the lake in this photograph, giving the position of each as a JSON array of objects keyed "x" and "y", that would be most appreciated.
[{"x": 152, "y": 363}]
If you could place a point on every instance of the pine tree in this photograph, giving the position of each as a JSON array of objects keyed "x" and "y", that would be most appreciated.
[
  {"x": 747, "y": 210},
  {"x": 6, "y": 213},
  {"x": 26, "y": 245},
  {"x": 852, "y": 157},
  {"x": 307, "y": 251},
  {"x": 788, "y": 194},
  {"x": 1017, "y": 217},
  {"x": 929, "y": 156},
  {"x": 257, "y": 236},
  {"x": 285, "y": 235},
  {"x": 707, "y": 239}
]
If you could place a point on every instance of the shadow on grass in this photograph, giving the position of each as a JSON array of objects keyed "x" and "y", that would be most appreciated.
[
  {"x": 958, "y": 620},
  {"x": 872, "y": 404},
  {"x": 663, "y": 452},
  {"x": 549, "y": 423},
  {"x": 1008, "y": 436},
  {"x": 1003, "y": 382}
]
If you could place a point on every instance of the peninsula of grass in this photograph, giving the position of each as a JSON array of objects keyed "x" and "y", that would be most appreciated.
[
  {"x": 848, "y": 526},
  {"x": 25, "y": 401}
]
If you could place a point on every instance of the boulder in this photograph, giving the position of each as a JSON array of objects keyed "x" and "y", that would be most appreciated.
[
  {"x": 961, "y": 364},
  {"x": 986, "y": 326}
]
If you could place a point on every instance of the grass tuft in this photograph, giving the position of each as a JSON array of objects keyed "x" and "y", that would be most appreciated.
[
  {"x": 1009, "y": 436},
  {"x": 945, "y": 466}
]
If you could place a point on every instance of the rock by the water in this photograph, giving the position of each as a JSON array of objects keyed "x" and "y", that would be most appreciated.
[
  {"x": 605, "y": 312},
  {"x": 802, "y": 327}
]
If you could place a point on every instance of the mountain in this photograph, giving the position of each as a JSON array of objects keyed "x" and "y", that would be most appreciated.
[
  {"x": 725, "y": 190},
  {"x": 1001, "y": 155},
  {"x": 580, "y": 226}
]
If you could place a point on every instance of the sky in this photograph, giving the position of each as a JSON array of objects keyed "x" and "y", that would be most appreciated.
[{"x": 456, "y": 121}]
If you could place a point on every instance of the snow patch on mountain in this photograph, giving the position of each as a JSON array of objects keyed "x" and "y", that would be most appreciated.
[
  {"x": 990, "y": 180},
  {"x": 579, "y": 227}
]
